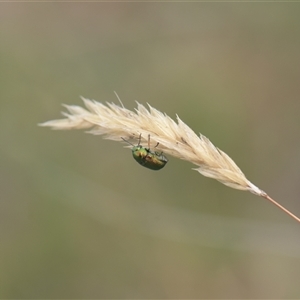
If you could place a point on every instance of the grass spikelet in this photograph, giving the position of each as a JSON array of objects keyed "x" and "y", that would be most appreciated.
[{"x": 175, "y": 138}]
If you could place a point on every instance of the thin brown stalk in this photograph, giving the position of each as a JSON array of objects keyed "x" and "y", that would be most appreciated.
[
  {"x": 117, "y": 123},
  {"x": 281, "y": 207}
]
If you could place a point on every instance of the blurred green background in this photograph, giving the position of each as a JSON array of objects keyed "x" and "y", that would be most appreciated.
[{"x": 81, "y": 219}]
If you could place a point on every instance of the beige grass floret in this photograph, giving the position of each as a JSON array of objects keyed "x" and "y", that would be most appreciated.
[{"x": 175, "y": 138}]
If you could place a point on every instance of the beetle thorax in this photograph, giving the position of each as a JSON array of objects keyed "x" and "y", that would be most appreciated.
[{"x": 139, "y": 151}]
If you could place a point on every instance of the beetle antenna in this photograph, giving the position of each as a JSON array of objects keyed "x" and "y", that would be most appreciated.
[{"x": 127, "y": 141}]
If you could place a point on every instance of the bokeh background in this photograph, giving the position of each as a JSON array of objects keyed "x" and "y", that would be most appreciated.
[{"x": 81, "y": 219}]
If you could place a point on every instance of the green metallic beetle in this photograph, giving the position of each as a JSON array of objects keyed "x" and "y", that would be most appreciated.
[{"x": 147, "y": 158}]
